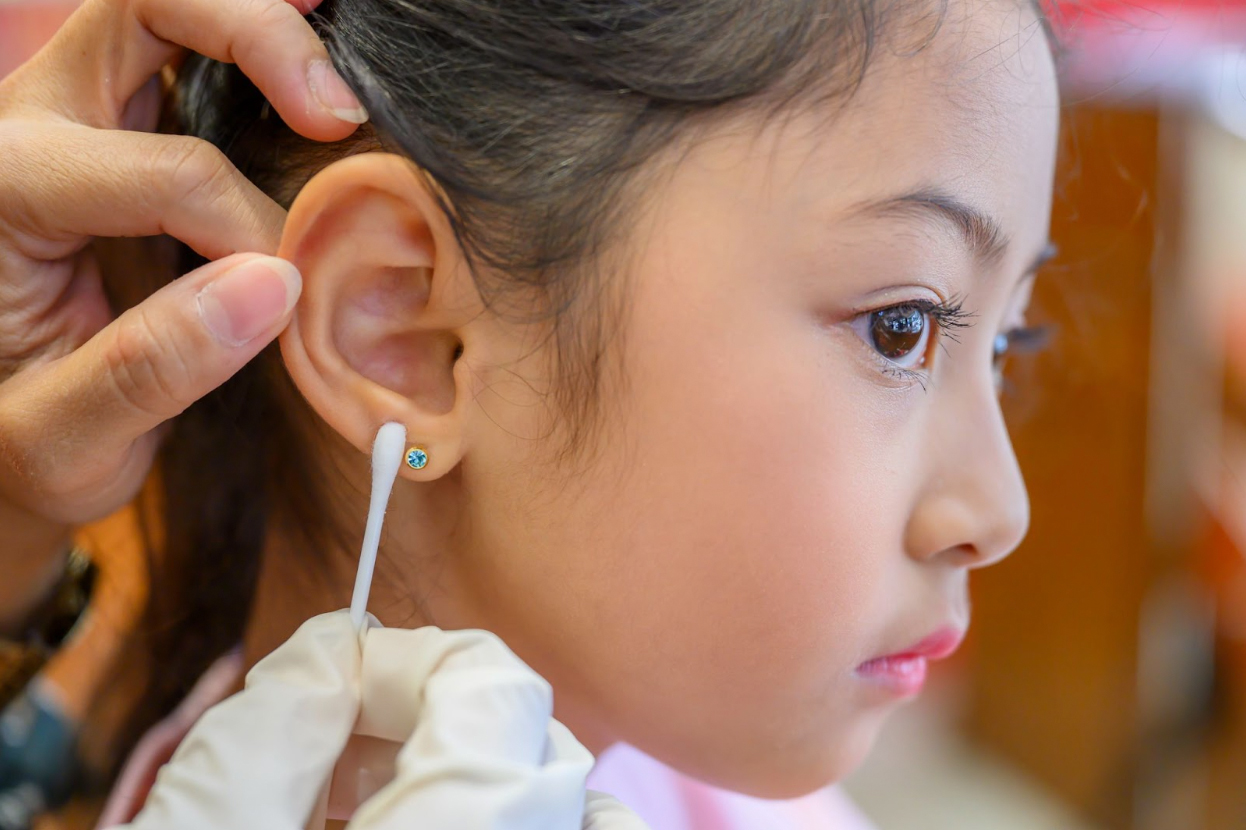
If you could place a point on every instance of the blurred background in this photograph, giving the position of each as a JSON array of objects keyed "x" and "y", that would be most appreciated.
[{"x": 1104, "y": 683}]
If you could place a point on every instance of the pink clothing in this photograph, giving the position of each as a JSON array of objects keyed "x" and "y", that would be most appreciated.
[
  {"x": 668, "y": 800},
  {"x": 664, "y": 798}
]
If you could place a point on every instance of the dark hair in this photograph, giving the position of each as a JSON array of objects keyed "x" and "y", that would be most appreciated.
[{"x": 534, "y": 120}]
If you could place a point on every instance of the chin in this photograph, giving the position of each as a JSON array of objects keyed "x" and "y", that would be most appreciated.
[{"x": 808, "y": 766}]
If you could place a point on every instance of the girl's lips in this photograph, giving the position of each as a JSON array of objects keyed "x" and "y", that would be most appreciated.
[{"x": 904, "y": 674}]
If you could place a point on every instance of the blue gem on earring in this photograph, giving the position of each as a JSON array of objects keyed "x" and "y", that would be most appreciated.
[{"x": 416, "y": 458}]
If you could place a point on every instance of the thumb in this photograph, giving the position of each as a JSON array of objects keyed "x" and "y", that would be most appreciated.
[
  {"x": 98, "y": 404},
  {"x": 261, "y": 757},
  {"x": 161, "y": 356}
]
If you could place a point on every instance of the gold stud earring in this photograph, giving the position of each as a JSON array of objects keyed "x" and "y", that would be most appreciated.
[{"x": 417, "y": 458}]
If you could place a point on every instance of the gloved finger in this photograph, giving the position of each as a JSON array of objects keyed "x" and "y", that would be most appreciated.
[
  {"x": 260, "y": 758},
  {"x": 483, "y": 749},
  {"x": 367, "y": 764},
  {"x": 605, "y": 812},
  {"x": 147, "y": 366},
  {"x": 128, "y": 41}
]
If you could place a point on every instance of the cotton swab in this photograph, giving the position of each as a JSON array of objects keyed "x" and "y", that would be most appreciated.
[{"x": 387, "y": 450}]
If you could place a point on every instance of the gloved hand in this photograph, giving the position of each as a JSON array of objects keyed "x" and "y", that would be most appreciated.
[{"x": 480, "y": 746}]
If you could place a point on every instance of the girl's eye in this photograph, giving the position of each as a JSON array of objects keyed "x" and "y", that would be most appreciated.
[
  {"x": 1024, "y": 339},
  {"x": 900, "y": 333},
  {"x": 999, "y": 351},
  {"x": 904, "y": 334}
]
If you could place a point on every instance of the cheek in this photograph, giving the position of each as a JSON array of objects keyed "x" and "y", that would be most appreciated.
[
  {"x": 739, "y": 561},
  {"x": 706, "y": 589},
  {"x": 758, "y": 495}
]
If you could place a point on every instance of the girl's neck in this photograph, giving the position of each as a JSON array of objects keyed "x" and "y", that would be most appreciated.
[
  {"x": 290, "y": 591},
  {"x": 295, "y": 584}
]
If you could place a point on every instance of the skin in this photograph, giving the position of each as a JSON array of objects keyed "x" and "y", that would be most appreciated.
[
  {"x": 769, "y": 504},
  {"x": 83, "y": 396}
]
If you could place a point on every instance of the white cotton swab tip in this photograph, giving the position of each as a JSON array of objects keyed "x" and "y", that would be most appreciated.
[{"x": 387, "y": 450}]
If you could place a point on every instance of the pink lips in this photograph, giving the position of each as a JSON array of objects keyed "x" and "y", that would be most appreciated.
[{"x": 904, "y": 674}]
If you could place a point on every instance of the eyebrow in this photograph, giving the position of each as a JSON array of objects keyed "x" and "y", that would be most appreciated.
[{"x": 980, "y": 232}]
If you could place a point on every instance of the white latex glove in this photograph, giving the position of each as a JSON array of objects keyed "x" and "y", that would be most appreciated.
[{"x": 481, "y": 749}]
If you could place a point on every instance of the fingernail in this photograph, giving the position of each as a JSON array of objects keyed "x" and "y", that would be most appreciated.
[
  {"x": 333, "y": 94},
  {"x": 246, "y": 301}
]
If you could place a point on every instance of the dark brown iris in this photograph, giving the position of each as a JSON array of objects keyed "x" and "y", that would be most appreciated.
[{"x": 897, "y": 330}]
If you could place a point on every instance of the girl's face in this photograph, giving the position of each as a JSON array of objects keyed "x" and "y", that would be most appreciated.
[
  {"x": 805, "y": 464},
  {"x": 803, "y": 455}
]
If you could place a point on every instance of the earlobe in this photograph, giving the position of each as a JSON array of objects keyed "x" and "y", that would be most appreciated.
[{"x": 377, "y": 333}]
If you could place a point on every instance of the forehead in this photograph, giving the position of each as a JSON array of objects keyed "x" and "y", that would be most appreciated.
[
  {"x": 968, "y": 106},
  {"x": 981, "y": 92},
  {"x": 973, "y": 111}
]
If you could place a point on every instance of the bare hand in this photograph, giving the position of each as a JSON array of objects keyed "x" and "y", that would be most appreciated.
[{"x": 82, "y": 395}]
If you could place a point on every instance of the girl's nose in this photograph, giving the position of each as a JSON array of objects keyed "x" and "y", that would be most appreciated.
[{"x": 974, "y": 509}]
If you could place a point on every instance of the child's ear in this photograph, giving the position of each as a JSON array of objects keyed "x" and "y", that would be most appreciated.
[{"x": 387, "y": 299}]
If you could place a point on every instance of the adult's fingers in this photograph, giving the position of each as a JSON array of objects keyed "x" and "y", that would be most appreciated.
[
  {"x": 367, "y": 764},
  {"x": 86, "y": 182},
  {"x": 73, "y": 427},
  {"x": 109, "y": 48},
  {"x": 483, "y": 750},
  {"x": 605, "y": 812},
  {"x": 261, "y": 757},
  {"x": 455, "y": 730}
]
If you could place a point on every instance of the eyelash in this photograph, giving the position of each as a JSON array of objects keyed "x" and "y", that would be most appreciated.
[
  {"x": 949, "y": 317},
  {"x": 1023, "y": 340},
  {"x": 1028, "y": 339}
]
